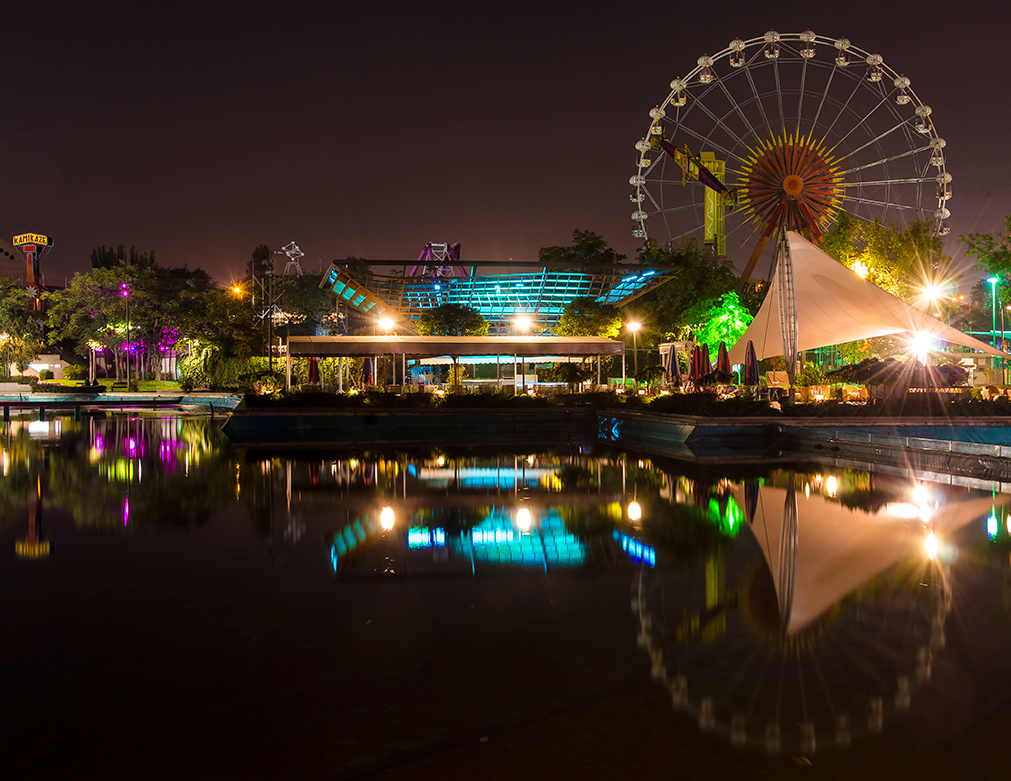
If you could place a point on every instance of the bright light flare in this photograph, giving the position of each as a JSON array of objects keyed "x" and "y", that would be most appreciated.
[
  {"x": 386, "y": 323},
  {"x": 931, "y": 545},
  {"x": 523, "y": 519},
  {"x": 524, "y": 323},
  {"x": 386, "y": 518},
  {"x": 921, "y": 345},
  {"x": 832, "y": 485},
  {"x": 634, "y": 511}
]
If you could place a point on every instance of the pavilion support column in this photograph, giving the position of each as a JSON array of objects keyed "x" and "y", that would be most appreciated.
[
  {"x": 287, "y": 371},
  {"x": 340, "y": 374},
  {"x": 598, "y": 371},
  {"x": 623, "y": 370},
  {"x": 498, "y": 371}
]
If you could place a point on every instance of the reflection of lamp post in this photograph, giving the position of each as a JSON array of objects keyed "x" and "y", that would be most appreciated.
[{"x": 634, "y": 327}]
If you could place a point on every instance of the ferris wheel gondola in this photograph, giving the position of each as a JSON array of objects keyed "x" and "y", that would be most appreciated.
[{"x": 783, "y": 132}]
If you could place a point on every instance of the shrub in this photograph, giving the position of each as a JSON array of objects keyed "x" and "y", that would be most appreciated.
[{"x": 45, "y": 374}]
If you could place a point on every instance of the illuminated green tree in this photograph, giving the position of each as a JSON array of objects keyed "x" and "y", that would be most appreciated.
[{"x": 723, "y": 319}]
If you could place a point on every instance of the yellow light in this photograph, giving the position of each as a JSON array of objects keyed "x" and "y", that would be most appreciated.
[
  {"x": 860, "y": 269},
  {"x": 386, "y": 518},
  {"x": 930, "y": 546},
  {"x": 634, "y": 511},
  {"x": 832, "y": 485},
  {"x": 524, "y": 323},
  {"x": 523, "y": 519},
  {"x": 385, "y": 323},
  {"x": 634, "y": 326}
]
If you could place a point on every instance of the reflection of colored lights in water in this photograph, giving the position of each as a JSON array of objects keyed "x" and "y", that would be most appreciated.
[
  {"x": 931, "y": 546},
  {"x": 420, "y": 537},
  {"x": 634, "y": 511},
  {"x": 131, "y": 445},
  {"x": 6, "y": 461},
  {"x": 126, "y": 509},
  {"x": 386, "y": 518},
  {"x": 99, "y": 443},
  {"x": 638, "y": 552},
  {"x": 832, "y": 485},
  {"x": 991, "y": 526},
  {"x": 523, "y": 519}
]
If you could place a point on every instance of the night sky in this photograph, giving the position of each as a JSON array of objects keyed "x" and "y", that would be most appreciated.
[{"x": 203, "y": 130}]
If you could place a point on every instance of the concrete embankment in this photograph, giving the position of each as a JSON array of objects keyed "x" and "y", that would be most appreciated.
[{"x": 313, "y": 428}]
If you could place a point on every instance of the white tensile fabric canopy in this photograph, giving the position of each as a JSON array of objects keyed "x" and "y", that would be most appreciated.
[{"x": 835, "y": 306}]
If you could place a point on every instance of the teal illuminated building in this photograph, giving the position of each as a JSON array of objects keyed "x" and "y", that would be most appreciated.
[{"x": 539, "y": 292}]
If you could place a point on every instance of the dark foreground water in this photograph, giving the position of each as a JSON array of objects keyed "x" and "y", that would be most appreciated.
[{"x": 171, "y": 609}]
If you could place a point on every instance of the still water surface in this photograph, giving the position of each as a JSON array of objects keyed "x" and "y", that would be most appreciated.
[{"x": 173, "y": 609}]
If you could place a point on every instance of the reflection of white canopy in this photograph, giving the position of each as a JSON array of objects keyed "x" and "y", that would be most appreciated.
[
  {"x": 834, "y": 306},
  {"x": 839, "y": 549}
]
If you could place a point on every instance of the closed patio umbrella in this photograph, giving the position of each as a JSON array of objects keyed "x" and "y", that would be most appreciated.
[
  {"x": 750, "y": 365},
  {"x": 313, "y": 372},
  {"x": 723, "y": 359}
]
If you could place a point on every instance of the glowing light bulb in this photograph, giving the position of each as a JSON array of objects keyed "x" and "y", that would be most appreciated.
[{"x": 386, "y": 518}]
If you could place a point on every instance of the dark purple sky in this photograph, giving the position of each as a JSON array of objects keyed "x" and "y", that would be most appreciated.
[{"x": 201, "y": 133}]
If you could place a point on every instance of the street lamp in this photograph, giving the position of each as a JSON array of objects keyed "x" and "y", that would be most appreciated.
[
  {"x": 634, "y": 327},
  {"x": 524, "y": 324},
  {"x": 5, "y": 338},
  {"x": 124, "y": 291},
  {"x": 993, "y": 309}
]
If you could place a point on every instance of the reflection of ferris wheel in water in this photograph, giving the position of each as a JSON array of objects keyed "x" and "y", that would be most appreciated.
[{"x": 784, "y": 131}]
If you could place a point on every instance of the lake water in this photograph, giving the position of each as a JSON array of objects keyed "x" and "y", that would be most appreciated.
[{"x": 175, "y": 609}]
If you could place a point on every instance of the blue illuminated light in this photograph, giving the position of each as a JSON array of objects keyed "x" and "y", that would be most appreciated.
[{"x": 637, "y": 551}]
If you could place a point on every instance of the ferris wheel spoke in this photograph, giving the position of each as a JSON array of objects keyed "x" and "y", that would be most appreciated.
[
  {"x": 779, "y": 95},
  {"x": 883, "y": 204},
  {"x": 751, "y": 131},
  {"x": 709, "y": 141},
  {"x": 842, "y": 109},
  {"x": 862, "y": 123},
  {"x": 758, "y": 100},
  {"x": 887, "y": 182},
  {"x": 883, "y": 160}
]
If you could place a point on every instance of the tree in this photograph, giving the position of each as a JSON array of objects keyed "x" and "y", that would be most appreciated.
[
  {"x": 588, "y": 317},
  {"x": 722, "y": 319},
  {"x": 107, "y": 257},
  {"x": 19, "y": 331},
  {"x": 587, "y": 249},
  {"x": 701, "y": 279},
  {"x": 992, "y": 252},
  {"x": 452, "y": 320},
  {"x": 903, "y": 262}
]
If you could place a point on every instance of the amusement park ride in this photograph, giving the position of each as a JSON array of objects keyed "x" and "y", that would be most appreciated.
[{"x": 790, "y": 129}]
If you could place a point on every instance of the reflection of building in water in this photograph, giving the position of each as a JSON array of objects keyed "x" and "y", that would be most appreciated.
[
  {"x": 33, "y": 546},
  {"x": 534, "y": 538},
  {"x": 817, "y": 623}
]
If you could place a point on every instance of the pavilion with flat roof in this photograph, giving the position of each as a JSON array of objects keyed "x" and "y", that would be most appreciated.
[{"x": 538, "y": 348}]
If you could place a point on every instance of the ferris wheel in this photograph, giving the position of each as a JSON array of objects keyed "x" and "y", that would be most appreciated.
[{"x": 785, "y": 131}]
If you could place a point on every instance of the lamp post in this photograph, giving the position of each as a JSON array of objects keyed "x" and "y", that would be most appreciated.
[
  {"x": 524, "y": 324},
  {"x": 993, "y": 309},
  {"x": 5, "y": 338},
  {"x": 386, "y": 324},
  {"x": 634, "y": 327},
  {"x": 124, "y": 291}
]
